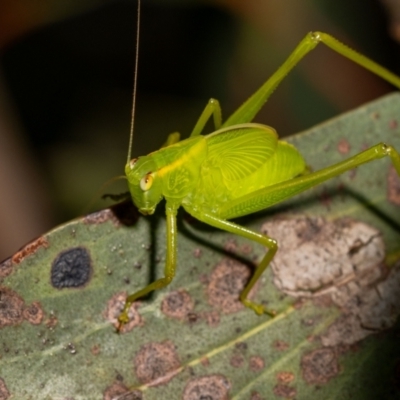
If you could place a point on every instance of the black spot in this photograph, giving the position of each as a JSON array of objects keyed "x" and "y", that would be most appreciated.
[{"x": 72, "y": 268}]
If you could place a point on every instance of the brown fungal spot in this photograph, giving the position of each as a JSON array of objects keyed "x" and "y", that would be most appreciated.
[
  {"x": 177, "y": 304},
  {"x": 33, "y": 313},
  {"x": 280, "y": 345},
  {"x": 393, "y": 124},
  {"x": 256, "y": 396},
  {"x": 210, "y": 387},
  {"x": 212, "y": 318},
  {"x": 285, "y": 377},
  {"x": 319, "y": 366},
  {"x": 393, "y": 186},
  {"x": 114, "y": 308},
  {"x": 11, "y": 307},
  {"x": 230, "y": 245},
  {"x": 256, "y": 363},
  {"x": 29, "y": 249},
  {"x": 100, "y": 217},
  {"x": 237, "y": 360},
  {"x": 197, "y": 253},
  {"x": 95, "y": 349},
  {"x": 72, "y": 268},
  {"x": 4, "y": 393},
  {"x": 246, "y": 248},
  {"x": 6, "y": 267},
  {"x": 52, "y": 321},
  {"x": 285, "y": 391},
  {"x": 118, "y": 391},
  {"x": 226, "y": 282},
  {"x": 205, "y": 361},
  {"x": 156, "y": 363},
  {"x": 343, "y": 146}
]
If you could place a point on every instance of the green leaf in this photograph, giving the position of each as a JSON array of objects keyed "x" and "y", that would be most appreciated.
[{"x": 194, "y": 340}]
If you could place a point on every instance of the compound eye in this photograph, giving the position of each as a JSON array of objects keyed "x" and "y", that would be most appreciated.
[{"x": 146, "y": 182}]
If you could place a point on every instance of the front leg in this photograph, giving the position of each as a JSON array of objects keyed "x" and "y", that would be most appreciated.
[
  {"x": 211, "y": 109},
  {"x": 169, "y": 270},
  {"x": 266, "y": 241}
]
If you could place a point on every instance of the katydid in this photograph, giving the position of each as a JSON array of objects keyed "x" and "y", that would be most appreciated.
[{"x": 237, "y": 170}]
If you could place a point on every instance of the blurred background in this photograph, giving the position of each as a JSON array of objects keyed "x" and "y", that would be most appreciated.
[{"x": 66, "y": 72}]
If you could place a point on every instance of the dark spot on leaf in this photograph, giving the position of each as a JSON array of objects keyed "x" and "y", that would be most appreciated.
[
  {"x": 119, "y": 391},
  {"x": 319, "y": 366},
  {"x": 209, "y": 387},
  {"x": 4, "y": 393},
  {"x": 71, "y": 269},
  {"x": 177, "y": 304},
  {"x": 33, "y": 313},
  {"x": 156, "y": 363},
  {"x": 11, "y": 306},
  {"x": 29, "y": 249}
]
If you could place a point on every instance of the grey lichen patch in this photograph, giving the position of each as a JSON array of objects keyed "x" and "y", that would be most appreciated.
[
  {"x": 30, "y": 249},
  {"x": 316, "y": 256},
  {"x": 72, "y": 268},
  {"x": 156, "y": 363},
  {"x": 11, "y": 307},
  {"x": 226, "y": 282},
  {"x": 114, "y": 308},
  {"x": 340, "y": 261},
  {"x": 320, "y": 366},
  {"x": 33, "y": 313},
  {"x": 118, "y": 391},
  {"x": 366, "y": 311},
  {"x": 393, "y": 186},
  {"x": 210, "y": 387},
  {"x": 177, "y": 305}
]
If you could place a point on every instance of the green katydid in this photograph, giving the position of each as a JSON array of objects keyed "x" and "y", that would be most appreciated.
[{"x": 237, "y": 170}]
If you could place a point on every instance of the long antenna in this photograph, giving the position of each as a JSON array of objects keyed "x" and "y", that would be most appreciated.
[{"x": 135, "y": 74}]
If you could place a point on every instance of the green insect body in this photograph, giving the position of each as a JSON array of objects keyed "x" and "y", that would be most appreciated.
[{"x": 237, "y": 170}]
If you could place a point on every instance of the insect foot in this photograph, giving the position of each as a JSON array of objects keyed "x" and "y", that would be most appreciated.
[
  {"x": 123, "y": 317},
  {"x": 259, "y": 309}
]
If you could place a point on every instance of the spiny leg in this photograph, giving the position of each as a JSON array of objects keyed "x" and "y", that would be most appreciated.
[
  {"x": 169, "y": 270},
  {"x": 211, "y": 109},
  {"x": 266, "y": 241},
  {"x": 277, "y": 193},
  {"x": 248, "y": 110}
]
